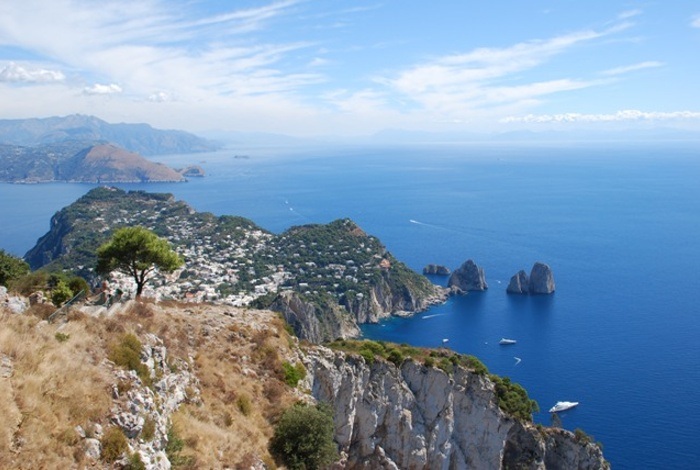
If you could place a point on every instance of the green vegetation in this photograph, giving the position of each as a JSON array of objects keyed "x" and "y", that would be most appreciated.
[
  {"x": 513, "y": 399},
  {"x": 114, "y": 444},
  {"x": 61, "y": 337},
  {"x": 244, "y": 405},
  {"x": 148, "y": 431},
  {"x": 136, "y": 252},
  {"x": 293, "y": 373},
  {"x": 445, "y": 359},
  {"x": 303, "y": 438},
  {"x": 127, "y": 353},
  {"x": 173, "y": 449},
  {"x": 11, "y": 268},
  {"x": 57, "y": 286}
]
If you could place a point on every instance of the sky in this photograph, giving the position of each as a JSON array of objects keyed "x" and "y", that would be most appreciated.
[{"x": 354, "y": 68}]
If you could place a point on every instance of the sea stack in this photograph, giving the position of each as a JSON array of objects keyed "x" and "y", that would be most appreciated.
[
  {"x": 541, "y": 279},
  {"x": 468, "y": 277},
  {"x": 436, "y": 269},
  {"x": 519, "y": 283}
]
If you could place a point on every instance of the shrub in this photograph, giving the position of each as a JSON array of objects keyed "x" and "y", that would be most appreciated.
[
  {"x": 368, "y": 355},
  {"x": 61, "y": 293},
  {"x": 114, "y": 444},
  {"x": 478, "y": 366},
  {"x": 244, "y": 405},
  {"x": 148, "y": 431},
  {"x": 11, "y": 268},
  {"x": 293, "y": 373},
  {"x": 512, "y": 398},
  {"x": 61, "y": 337},
  {"x": 127, "y": 354},
  {"x": 135, "y": 462},
  {"x": 303, "y": 438},
  {"x": 173, "y": 448},
  {"x": 582, "y": 437},
  {"x": 396, "y": 357},
  {"x": 429, "y": 362}
]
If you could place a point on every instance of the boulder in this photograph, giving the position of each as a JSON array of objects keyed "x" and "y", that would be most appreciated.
[
  {"x": 436, "y": 269},
  {"x": 519, "y": 283},
  {"x": 468, "y": 277},
  {"x": 541, "y": 279}
]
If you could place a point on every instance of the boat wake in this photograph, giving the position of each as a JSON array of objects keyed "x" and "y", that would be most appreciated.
[
  {"x": 431, "y": 316},
  {"x": 517, "y": 360}
]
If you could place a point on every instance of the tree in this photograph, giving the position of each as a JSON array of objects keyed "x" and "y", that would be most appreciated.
[
  {"x": 11, "y": 268},
  {"x": 303, "y": 438},
  {"x": 136, "y": 252}
]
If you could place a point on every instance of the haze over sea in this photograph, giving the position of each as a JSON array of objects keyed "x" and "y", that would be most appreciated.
[{"x": 618, "y": 224}]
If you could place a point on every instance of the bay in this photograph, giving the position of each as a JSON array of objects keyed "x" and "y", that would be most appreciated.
[{"x": 618, "y": 224}]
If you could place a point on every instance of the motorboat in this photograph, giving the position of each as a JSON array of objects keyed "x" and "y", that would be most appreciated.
[
  {"x": 563, "y": 406},
  {"x": 507, "y": 341}
]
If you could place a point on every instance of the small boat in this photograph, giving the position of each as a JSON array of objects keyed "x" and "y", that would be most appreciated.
[
  {"x": 507, "y": 341},
  {"x": 563, "y": 406},
  {"x": 445, "y": 340}
]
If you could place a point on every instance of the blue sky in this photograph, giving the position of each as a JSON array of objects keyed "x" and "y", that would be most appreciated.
[{"x": 312, "y": 67}]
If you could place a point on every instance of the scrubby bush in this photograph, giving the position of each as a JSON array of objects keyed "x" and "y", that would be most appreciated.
[
  {"x": 244, "y": 405},
  {"x": 127, "y": 353},
  {"x": 114, "y": 444},
  {"x": 293, "y": 373},
  {"x": 11, "y": 268},
  {"x": 303, "y": 438},
  {"x": 513, "y": 399}
]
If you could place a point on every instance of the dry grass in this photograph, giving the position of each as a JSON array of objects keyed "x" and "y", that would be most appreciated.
[{"x": 59, "y": 384}]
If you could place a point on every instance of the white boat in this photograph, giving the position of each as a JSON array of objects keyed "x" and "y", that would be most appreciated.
[
  {"x": 562, "y": 406},
  {"x": 507, "y": 341}
]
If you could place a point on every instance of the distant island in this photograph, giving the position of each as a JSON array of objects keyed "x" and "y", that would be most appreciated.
[{"x": 86, "y": 149}]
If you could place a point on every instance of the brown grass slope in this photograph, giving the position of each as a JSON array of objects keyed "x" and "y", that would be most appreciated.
[{"x": 54, "y": 377}]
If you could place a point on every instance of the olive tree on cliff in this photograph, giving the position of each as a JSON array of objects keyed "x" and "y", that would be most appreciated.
[{"x": 136, "y": 252}]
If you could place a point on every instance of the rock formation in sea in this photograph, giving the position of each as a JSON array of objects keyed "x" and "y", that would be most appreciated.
[
  {"x": 436, "y": 269},
  {"x": 414, "y": 416},
  {"x": 541, "y": 279},
  {"x": 519, "y": 283},
  {"x": 468, "y": 277}
]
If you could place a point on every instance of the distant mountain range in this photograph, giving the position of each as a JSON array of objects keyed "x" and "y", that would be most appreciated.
[
  {"x": 86, "y": 149},
  {"x": 139, "y": 138}
]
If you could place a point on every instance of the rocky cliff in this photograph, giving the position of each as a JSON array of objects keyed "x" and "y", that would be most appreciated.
[
  {"x": 419, "y": 417},
  {"x": 519, "y": 283}
]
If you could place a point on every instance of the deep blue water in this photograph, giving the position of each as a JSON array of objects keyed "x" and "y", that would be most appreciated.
[{"x": 619, "y": 225}]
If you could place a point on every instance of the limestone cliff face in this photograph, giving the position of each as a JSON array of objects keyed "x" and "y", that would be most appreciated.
[
  {"x": 313, "y": 323},
  {"x": 417, "y": 417}
]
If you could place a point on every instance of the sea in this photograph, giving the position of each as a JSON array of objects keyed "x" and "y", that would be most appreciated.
[{"x": 619, "y": 224}]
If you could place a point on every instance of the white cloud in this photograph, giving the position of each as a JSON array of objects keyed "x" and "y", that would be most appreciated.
[
  {"x": 19, "y": 74},
  {"x": 160, "y": 97},
  {"x": 625, "y": 115},
  {"x": 631, "y": 68},
  {"x": 629, "y": 14},
  {"x": 695, "y": 23},
  {"x": 484, "y": 78},
  {"x": 99, "y": 89}
]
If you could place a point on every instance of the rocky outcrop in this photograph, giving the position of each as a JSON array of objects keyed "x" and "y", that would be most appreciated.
[
  {"x": 156, "y": 404},
  {"x": 436, "y": 269},
  {"x": 192, "y": 171},
  {"x": 541, "y": 279},
  {"x": 311, "y": 322},
  {"x": 468, "y": 277},
  {"x": 417, "y": 417},
  {"x": 519, "y": 283}
]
